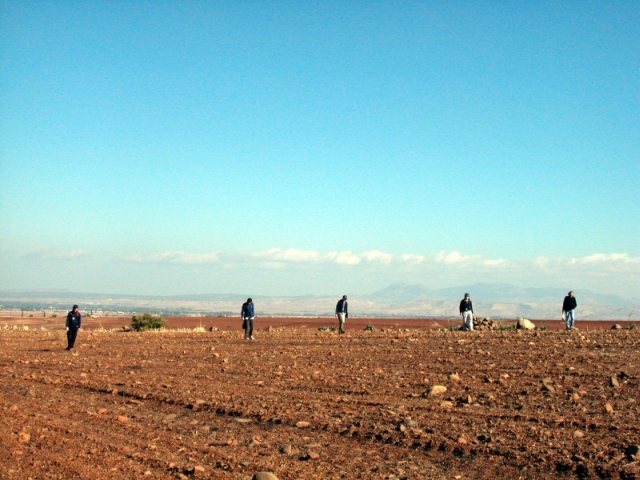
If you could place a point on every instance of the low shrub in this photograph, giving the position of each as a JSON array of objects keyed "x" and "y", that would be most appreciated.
[
  {"x": 147, "y": 322},
  {"x": 323, "y": 329},
  {"x": 370, "y": 328},
  {"x": 502, "y": 328},
  {"x": 541, "y": 327},
  {"x": 633, "y": 326}
]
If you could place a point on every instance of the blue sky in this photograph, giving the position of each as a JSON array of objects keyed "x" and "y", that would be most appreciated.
[{"x": 318, "y": 147}]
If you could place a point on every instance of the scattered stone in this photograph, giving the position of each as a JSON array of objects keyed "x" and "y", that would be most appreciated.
[
  {"x": 123, "y": 419},
  {"x": 578, "y": 434},
  {"x": 302, "y": 424},
  {"x": 575, "y": 397},
  {"x": 436, "y": 390},
  {"x": 313, "y": 455},
  {"x": 608, "y": 408},
  {"x": 198, "y": 470},
  {"x": 614, "y": 382},
  {"x": 287, "y": 449},
  {"x": 243, "y": 420},
  {"x": 454, "y": 377},
  {"x": 525, "y": 324},
  {"x": 616, "y": 327},
  {"x": 549, "y": 388},
  {"x": 409, "y": 423},
  {"x": 446, "y": 404},
  {"x": 24, "y": 437},
  {"x": 264, "y": 476}
]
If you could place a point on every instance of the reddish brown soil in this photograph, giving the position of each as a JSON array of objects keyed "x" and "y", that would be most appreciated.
[{"x": 526, "y": 404}]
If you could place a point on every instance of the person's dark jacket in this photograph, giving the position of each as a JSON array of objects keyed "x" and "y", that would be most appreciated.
[
  {"x": 342, "y": 307},
  {"x": 466, "y": 305},
  {"x": 569, "y": 303},
  {"x": 74, "y": 320},
  {"x": 247, "y": 310}
]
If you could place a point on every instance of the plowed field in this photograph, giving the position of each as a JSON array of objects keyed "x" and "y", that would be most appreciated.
[{"x": 308, "y": 404}]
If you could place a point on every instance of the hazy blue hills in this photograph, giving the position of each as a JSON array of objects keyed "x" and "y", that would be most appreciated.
[{"x": 492, "y": 292}]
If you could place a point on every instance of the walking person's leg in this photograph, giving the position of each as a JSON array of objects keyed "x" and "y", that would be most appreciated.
[
  {"x": 72, "y": 334},
  {"x": 571, "y": 319},
  {"x": 342, "y": 318},
  {"x": 250, "y": 328},
  {"x": 468, "y": 320}
]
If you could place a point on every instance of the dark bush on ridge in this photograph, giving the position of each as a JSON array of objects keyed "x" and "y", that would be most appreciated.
[{"x": 147, "y": 322}]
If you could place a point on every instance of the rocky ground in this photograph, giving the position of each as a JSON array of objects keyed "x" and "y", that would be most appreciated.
[{"x": 383, "y": 404}]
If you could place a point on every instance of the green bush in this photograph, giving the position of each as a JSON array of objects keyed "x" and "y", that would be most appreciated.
[
  {"x": 453, "y": 327},
  {"x": 147, "y": 322},
  {"x": 323, "y": 329},
  {"x": 55, "y": 315},
  {"x": 633, "y": 326},
  {"x": 542, "y": 327},
  {"x": 370, "y": 328},
  {"x": 502, "y": 328}
]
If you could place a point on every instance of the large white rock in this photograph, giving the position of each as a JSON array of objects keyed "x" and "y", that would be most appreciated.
[
  {"x": 525, "y": 324},
  {"x": 436, "y": 390},
  {"x": 264, "y": 476}
]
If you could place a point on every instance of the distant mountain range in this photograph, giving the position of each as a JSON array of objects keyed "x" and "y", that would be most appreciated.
[
  {"x": 494, "y": 292},
  {"x": 397, "y": 300}
]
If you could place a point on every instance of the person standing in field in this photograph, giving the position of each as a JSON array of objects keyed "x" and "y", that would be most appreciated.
[
  {"x": 248, "y": 316},
  {"x": 74, "y": 323},
  {"x": 568, "y": 310},
  {"x": 342, "y": 312},
  {"x": 466, "y": 312}
]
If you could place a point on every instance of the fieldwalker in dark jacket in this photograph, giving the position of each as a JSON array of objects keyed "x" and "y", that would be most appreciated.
[
  {"x": 568, "y": 310},
  {"x": 342, "y": 312},
  {"x": 248, "y": 316},
  {"x": 466, "y": 312},
  {"x": 74, "y": 323}
]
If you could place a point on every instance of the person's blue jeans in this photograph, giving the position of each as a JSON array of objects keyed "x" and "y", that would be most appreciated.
[{"x": 571, "y": 318}]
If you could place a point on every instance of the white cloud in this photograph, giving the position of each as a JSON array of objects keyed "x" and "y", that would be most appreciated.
[
  {"x": 542, "y": 261},
  {"x": 48, "y": 253},
  {"x": 495, "y": 263},
  {"x": 344, "y": 258},
  {"x": 289, "y": 255},
  {"x": 177, "y": 257},
  {"x": 73, "y": 254},
  {"x": 611, "y": 258},
  {"x": 412, "y": 258},
  {"x": 454, "y": 258},
  {"x": 378, "y": 256}
]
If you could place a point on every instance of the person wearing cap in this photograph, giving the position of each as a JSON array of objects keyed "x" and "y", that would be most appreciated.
[
  {"x": 74, "y": 323},
  {"x": 248, "y": 316},
  {"x": 466, "y": 312},
  {"x": 342, "y": 312},
  {"x": 568, "y": 310}
]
